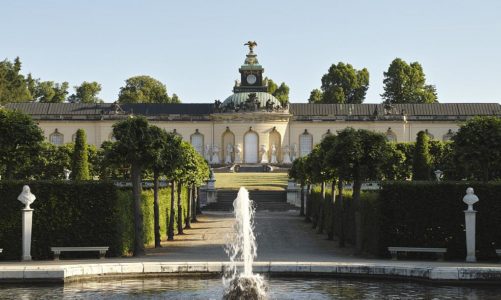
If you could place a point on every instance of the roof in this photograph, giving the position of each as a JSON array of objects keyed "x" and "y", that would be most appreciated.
[
  {"x": 303, "y": 111},
  {"x": 262, "y": 97}
]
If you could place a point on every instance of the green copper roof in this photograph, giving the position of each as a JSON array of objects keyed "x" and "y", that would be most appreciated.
[{"x": 262, "y": 97}]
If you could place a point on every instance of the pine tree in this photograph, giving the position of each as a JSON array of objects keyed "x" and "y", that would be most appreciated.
[
  {"x": 421, "y": 167},
  {"x": 80, "y": 163}
]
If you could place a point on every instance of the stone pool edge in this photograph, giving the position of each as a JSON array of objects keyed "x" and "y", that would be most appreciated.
[{"x": 76, "y": 272}]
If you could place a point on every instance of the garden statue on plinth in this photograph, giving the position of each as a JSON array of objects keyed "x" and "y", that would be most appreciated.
[
  {"x": 238, "y": 158},
  {"x": 273, "y": 154},
  {"x": 215, "y": 155},
  {"x": 66, "y": 174},
  {"x": 469, "y": 217},
  {"x": 26, "y": 197},
  {"x": 264, "y": 157},
  {"x": 285, "y": 153},
  {"x": 229, "y": 151}
]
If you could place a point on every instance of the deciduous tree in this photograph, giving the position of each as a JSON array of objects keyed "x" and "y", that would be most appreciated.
[
  {"x": 13, "y": 86},
  {"x": 86, "y": 93},
  {"x": 145, "y": 89},
  {"x": 344, "y": 84}
]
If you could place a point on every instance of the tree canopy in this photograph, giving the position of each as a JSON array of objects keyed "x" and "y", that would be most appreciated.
[
  {"x": 13, "y": 86},
  {"x": 342, "y": 84},
  {"x": 145, "y": 89},
  {"x": 86, "y": 93},
  {"x": 80, "y": 159},
  {"x": 406, "y": 83},
  {"x": 280, "y": 92}
]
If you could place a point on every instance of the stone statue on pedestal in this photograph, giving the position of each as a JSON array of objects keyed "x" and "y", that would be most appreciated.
[
  {"x": 286, "y": 156},
  {"x": 273, "y": 154},
  {"x": 26, "y": 197},
  {"x": 238, "y": 150},
  {"x": 264, "y": 157},
  {"x": 229, "y": 151},
  {"x": 215, "y": 155}
]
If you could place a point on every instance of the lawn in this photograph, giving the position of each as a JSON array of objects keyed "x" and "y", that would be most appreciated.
[{"x": 252, "y": 181}]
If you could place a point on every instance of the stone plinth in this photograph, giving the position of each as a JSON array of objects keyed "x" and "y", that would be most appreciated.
[{"x": 27, "y": 224}]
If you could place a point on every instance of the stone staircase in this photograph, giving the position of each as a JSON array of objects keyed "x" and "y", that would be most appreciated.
[{"x": 264, "y": 200}]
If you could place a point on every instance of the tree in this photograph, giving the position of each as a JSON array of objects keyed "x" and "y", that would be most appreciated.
[
  {"x": 316, "y": 96},
  {"x": 86, "y": 93},
  {"x": 406, "y": 83},
  {"x": 20, "y": 142},
  {"x": 50, "y": 92},
  {"x": 344, "y": 84},
  {"x": 477, "y": 148},
  {"x": 80, "y": 160},
  {"x": 133, "y": 146},
  {"x": 13, "y": 86},
  {"x": 280, "y": 92},
  {"x": 421, "y": 167},
  {"x": 145, "y": 89}
]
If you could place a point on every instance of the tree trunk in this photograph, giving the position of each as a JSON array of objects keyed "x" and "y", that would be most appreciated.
[
  {"x": 332, "y": 202},
  {"x": 156, "y": 209},
  {"x": 179, "y": 209},
  {"x": 138, "y": 214},
  {"x": 172, "y": 215},
  {"x": 357, "y": 187},
  {"x": 195, "y": 204},
  {"x": 187, "y": 221},
  {"x": 199, "y": 209},
  {"x": 321, "y": 210},
  {"x": 341, "y": 213}
]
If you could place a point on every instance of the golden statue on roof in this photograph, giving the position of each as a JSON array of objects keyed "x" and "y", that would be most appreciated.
[{"x": 251, "y": 45}]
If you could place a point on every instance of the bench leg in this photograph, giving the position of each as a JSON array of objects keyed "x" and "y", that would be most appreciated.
[
  {"x": 102, "y": 254},
  {"x": 56, "y": 255},
  {"x": 393, "y": 255}
]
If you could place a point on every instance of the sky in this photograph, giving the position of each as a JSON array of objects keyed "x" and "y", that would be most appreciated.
[{"x": 195, "y": 47}]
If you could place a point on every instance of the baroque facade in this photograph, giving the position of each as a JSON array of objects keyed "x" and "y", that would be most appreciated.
[{"x": 251, "y": 126}]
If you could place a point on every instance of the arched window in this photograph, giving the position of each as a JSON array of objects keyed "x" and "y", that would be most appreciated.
[
  {"x": 448, "y": 136},
  {"x": 112, "y": 138},
  {"x": 328, "y": 133},
  {"x": 305, "y": 143},
  {"x": 56, "y": 138},
  {"x": 197, "y": 141},
  {"x": 431, "y": 136},
  {"x": 177, "y": 133},
  {"x": 391, "y": 136}
]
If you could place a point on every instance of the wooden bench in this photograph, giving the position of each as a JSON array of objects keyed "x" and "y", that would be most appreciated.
[
  {"x": 57, "y": 250},
  {"x": 439, "y": 251}
]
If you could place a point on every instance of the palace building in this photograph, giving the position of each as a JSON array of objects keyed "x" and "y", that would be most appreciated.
[{"x": 251, "y": 126}]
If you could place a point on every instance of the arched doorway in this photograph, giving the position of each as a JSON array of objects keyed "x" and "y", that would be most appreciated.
[
  {"x": 276, "y": 140},
  {"x": 251, "y": 142},
  {"x": 228, "y": 139}
]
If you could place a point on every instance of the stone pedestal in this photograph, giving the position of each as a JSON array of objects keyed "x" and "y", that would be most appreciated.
[
  {"x": 27, "y": 224},
  {"x": 469, "y": 218},
  {"x": 293, "y": 193}
]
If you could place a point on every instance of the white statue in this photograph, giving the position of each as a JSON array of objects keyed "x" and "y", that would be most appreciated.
[
  {"x": 215, "y": 155},
  {"x": 285, "y": 153},
  {"x": 26, "y": 197},
  {"x": 229, "y": 151},
  {"x": 264, "y": 157},
  {"x": 207, "y": 153},
  {"x": 470, "y": 198},
  {"x": 293, "y": 152},
  {"x": 238, "y": 150},
  {"x": 66, "y": 174},
  {"x": 273, "y": 154}
]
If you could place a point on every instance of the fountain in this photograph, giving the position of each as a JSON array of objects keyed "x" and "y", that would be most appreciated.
[{"x": 242, "y": 248}]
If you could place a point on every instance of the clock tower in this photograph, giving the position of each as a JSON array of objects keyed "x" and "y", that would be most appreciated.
[{"x": 251, "y": 73}]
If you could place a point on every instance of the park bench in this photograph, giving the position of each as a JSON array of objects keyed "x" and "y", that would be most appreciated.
[
  {"x": 439, "y": 251},
  {"x": 57, "y": 250}
]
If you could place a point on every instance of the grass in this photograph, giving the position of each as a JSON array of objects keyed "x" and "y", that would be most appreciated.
[{"x": 252, "y": 181}]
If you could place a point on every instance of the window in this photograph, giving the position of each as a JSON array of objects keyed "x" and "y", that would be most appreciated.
[
  {"x": 197, "y": 141},
  {"x": 305, "y": 143},
  {"x": 56, "y": 138},
  {"x": 391, "y": 136},
  {"x": 431, "y": 136},
  {"x": 448, "y": 136}
]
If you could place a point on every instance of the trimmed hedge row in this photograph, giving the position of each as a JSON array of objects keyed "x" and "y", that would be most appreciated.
[
  {"x": 68, "y": 213},
  {"x": 419, "y": 214}
]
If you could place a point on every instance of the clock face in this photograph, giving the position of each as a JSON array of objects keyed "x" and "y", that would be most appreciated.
[{"x": 251, "y": 79}]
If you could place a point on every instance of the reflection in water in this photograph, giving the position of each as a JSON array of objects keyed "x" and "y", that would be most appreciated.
[{"x": 279, "y": 288}]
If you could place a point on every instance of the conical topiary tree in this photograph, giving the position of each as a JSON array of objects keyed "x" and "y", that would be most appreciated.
[
  {"x": 80, "y": 161},
  {"x": 421, "y": 166}
]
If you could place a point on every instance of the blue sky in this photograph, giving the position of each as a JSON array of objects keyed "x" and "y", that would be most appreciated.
[{"x": 196, "y": 47}]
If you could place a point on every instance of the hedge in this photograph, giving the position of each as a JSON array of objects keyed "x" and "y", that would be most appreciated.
[
  {"x": 68, "y": 213},
  {"x": 419, "y": 214}
]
